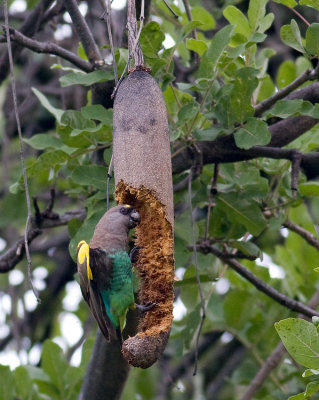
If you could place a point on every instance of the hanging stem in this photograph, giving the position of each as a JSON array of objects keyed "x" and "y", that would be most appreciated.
[
  {"x": 106, "y": 16},
  {"x": 25, "y": 179},
  {"x": 201, "y": 295},
  {"x": 134, "y": 47}
]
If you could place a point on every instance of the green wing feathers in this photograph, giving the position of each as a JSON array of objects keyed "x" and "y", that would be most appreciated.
[{"x": 106, "y": 282}]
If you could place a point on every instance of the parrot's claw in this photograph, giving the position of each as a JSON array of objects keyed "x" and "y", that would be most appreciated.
[
  {"x": 145, "y": 307},
  {"x": 134, "y": 254}
]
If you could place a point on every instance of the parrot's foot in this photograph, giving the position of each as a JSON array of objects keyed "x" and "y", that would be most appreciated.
[
  {"x": 134, "y": 254},
  {"x": 145, "y": 307}
]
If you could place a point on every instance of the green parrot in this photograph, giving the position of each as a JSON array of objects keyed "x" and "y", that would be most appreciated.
[{"x": 105, "y": 270}]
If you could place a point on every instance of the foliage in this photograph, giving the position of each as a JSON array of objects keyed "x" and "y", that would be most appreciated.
[{"x": 212, "y": 83}]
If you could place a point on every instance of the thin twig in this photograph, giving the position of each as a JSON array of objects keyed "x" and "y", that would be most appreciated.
[
  {"x": 84, "y": 32},
  {"x": 194, "y": 55},
  {"x": 262, "y": 286},
  {"x": 107, "y": 13},
  {"x": 170, "y": 9},
  {"x": 202, "y": 300},
  {"x": 212, "y": 193},
  {"x": 299, "y": 15},
  {"x": 308, "y": 236},
  {"x": 49, "y": 48},
  {"x": 25, "y": 179},
  {"x": 308, "y": 75}
]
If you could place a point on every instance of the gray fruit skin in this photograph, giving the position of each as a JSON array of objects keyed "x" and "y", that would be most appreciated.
[{"x": 141, "y": 145}]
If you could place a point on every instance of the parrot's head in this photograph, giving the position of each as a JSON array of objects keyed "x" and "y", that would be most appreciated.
[
  {"x": 129, "y": 215},
  {"x": 120, "y": 217}
]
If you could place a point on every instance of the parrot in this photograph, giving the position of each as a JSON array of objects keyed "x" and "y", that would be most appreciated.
[{"x": 105, "y": 270}]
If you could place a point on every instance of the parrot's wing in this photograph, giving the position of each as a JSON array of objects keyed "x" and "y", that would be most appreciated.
[{"x": 90, "y": 262}]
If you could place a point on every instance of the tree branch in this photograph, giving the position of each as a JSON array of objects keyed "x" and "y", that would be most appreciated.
[
  {"x": 258, "y": 283},
  {"x": 309, "y": 237},
  {"x": 224, "y": 149},
  {"x": 29, "y": 27},
  {"x": 49, "y": 48},
  {"x": 272, "y": 360},
  {"x": 15, "y": 253},
  {"x": 308, "y": 75},
  {"x": 84, "y": 32},
  {"x": 107, "y": 370}
]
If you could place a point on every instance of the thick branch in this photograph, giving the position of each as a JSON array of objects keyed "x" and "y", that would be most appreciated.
[
  {"x": 224, "y": 149},
  {"x": 49, "y": 48},
  {"x": 259, "y": 284},
  {"x": 15, "y": 253},
  {"x": 12, "y": 256},
  {"x": 108, "y": 370},
  {"x": 84, "y": 32}
]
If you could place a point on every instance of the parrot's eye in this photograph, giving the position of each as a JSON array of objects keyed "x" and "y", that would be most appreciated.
[{"x": 125, "y": 210}]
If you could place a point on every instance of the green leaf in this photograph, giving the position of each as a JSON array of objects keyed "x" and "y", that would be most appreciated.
[
  {"x": 23, "y": 382},
  {"x": 86, "y": 79},
  {"x": 98, "y": 112},
  {"x": 288, "y": 3},
  {"x": 43, "y": 141},
  {"x": 151, "y": 39},
  {"x": 240, "y": 100},
  {"x": 245, "y": 213},
  {"x": 54, "y": 363},
  {"x": 207, "y": 20},
  {"x": 237, "y": 308},
  {"x": 207, "y": 134},
  {"x": 310, "y": 3},
  {"x": 286, "y": 74},
  {"x": 76, "y": 120},
  {"x": 266, "y": 22},
  {"x": 187, "y": 112},
  {"x": 309, "y": 188},
  {"x": 299, "y": 396},
  {"x": 47, "y": 161},
  {"x": 301, "y": 340},
  {"x": 266, "y": 88},
  {"x": 310, "y": 372},
  {"x": 247, "y": 248},
  {"x": 218, "y": 44},
  {"x": 254, "y": 132},
  {"x": 237, "y": 18},
  {"x": 90, "y": 175},
  {"x": 189, "y": 27},
  {"x": 290, "y": 35},
  {"x": 6, "y": 383},
  {"x": 287, "y": 108},
  {"x": 312, "y": 39},
  {"x": 311, "y": 388},
  {"x": 256, "y": 13},
  {"x": 199, "y": 46},
  {"x": 56, "y": 112}
]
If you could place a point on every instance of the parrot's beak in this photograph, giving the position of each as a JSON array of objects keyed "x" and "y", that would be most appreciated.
[{"x": 135, "y": 219}]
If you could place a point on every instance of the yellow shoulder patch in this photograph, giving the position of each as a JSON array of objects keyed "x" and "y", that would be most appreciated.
[{"x": 84, "y": 254}]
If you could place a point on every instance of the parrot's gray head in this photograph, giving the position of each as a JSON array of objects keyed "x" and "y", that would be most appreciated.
[
  {"x": 121, "y": 216},
  {"x": 112, "y": 229}
]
